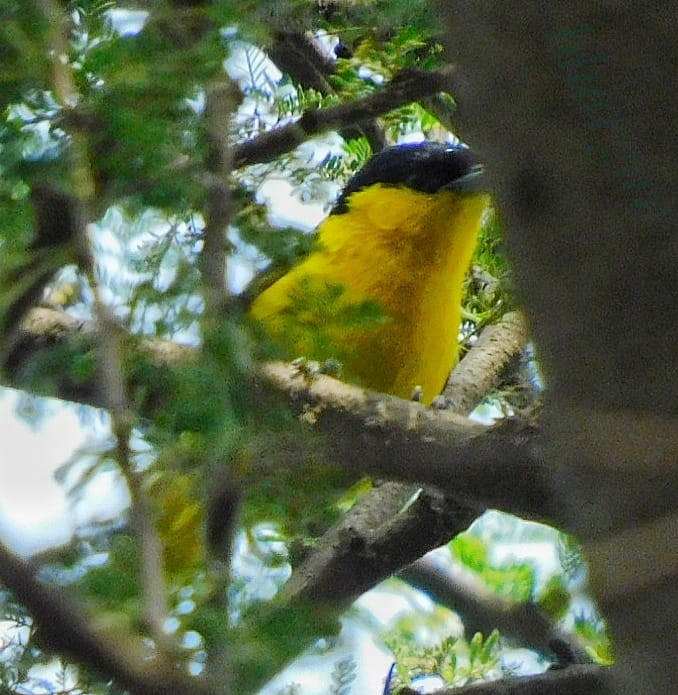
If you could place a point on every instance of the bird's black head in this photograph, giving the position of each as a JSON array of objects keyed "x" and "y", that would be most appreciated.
[{"x": 424, "y": 166}]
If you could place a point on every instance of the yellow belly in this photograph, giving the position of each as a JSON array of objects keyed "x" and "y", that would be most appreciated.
[{"x": 382, "y": 293}]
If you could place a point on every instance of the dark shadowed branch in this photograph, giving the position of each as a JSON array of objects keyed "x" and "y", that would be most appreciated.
[
  {"x": 299, "y": 55},
  {"x": 585, "y": 181},
  {"x": 586, "y": 679},
  {"x": 480, "y": 609},
  {"x": 358, "y": 553}
]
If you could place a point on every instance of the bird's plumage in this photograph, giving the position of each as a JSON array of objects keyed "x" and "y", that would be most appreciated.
[{"x": 382, "y": 291}]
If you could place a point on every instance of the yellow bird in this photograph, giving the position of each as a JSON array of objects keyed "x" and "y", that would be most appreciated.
[{"x": 381, "y": 292}]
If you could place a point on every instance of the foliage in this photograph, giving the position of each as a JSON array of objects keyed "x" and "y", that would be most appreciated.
[
  {"x": 515, "y": 581},
  {"x": 559, "y": 595},
  {"x": 455, "y": 661},
  {"x": 343, "y": 675}
]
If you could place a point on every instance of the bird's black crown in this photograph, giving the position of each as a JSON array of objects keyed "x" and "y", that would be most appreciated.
[{"x": 422, "y": 166}]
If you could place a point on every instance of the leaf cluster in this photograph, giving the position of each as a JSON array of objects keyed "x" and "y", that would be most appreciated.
[{"x": 455, "y": 661}]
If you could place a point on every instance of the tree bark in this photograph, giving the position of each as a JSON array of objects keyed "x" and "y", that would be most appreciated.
[{"x": 567, "y": 104}]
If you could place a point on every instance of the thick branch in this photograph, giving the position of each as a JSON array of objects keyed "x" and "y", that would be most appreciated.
[
  {"x": 358, "y": 553},
  {"x": 397, "y": 439},
  {"x": 380, "y": 435},
  {"x": 296, "y": 54},
  {"x": 376, "y": 538},
  {"x": 499, "y": 466}
]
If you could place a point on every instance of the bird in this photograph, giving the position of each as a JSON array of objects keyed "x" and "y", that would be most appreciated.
[{"x": 381, "y": 290}]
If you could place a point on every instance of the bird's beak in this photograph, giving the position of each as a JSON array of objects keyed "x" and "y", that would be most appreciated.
[{"x": 472, "y": 182}]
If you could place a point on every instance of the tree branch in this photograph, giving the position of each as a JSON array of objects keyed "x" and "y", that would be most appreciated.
[
  {"x": 358, "y": 553},
  {"x": 482, "y": 368},
  {"x": 220, "y": 102},
  {"x": 480, "y": 609},
  {"x": 375, "y": 434},
  {"x": 66, "y": 628},
  {"x": 379, "y": 535},
  {"x": 391, "y": 438},
  {"x": 403, "y": 89},
  {"x": 297, "y": 54},
  {"x": 584, "y": 679}
]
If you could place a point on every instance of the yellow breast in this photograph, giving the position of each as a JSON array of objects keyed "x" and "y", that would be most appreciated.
[{"x": 382, "y": 293}]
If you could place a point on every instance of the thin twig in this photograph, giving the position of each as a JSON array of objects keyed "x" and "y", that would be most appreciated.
[{"x": 221, "y": 100}]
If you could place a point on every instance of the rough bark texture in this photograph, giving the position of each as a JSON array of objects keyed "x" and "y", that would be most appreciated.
[
  {"x": 569, "y": 107},
  {"x": 481, "y": 369}
]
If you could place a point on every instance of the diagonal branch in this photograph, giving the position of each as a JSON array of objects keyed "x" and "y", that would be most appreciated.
[
  {"x": 481, "y": 370},
  {"x": 373, "y": 542},
  {"x": 65, "y": 627},
  {"x": 384, "y": 532},
  {"x": 481, "y": 610},
  {"x": 404, "y": 89},
  {"x": 299, "y": 55}
]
